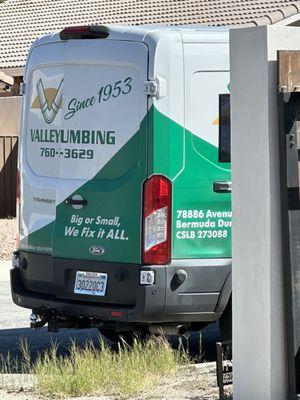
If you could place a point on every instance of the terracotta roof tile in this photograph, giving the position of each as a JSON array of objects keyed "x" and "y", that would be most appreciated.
[{"x": 22, "y": 21}]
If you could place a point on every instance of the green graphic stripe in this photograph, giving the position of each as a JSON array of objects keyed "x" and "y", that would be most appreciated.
[
  {"x": 192, "y": 165},
  {"x": 189, "y": 161},
  {"x": 110, "y": 191},
  {"x": 39, "y": 241},
  {"x": 172, "y": 148}
]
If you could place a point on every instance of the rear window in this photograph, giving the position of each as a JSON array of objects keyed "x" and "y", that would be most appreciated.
[{"x": 79, "y": 116}]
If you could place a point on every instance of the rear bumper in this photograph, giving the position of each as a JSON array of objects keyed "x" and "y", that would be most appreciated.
[{"x": 43, "y": 283}]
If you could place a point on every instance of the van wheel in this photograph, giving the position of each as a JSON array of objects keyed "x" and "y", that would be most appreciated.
[{"x": 225, "y": 323}]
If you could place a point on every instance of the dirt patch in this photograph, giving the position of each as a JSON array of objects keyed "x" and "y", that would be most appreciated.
[
  {"x": 8, "y": 234},
  {"x": 196, "y": 382}
]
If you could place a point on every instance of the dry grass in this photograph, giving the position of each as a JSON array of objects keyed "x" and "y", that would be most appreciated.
[
  {"x": 90, "y": 371},
  {"x": 151, "y": 371},
  {"x": 8, "y": 234}
]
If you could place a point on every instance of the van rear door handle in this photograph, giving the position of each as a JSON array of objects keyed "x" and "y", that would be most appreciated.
[
  {"x": 222, "y": 187},
  {"x": 76, "y": 202}
]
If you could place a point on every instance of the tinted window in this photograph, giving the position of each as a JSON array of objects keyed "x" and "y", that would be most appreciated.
[{"x": 224, "y": 128}]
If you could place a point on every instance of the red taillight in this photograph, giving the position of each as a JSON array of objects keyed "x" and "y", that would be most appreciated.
[
  {"x": 116, "y": 314},
  {"x": 84, "y": 32},
  {"x": 157, "y": 220}
]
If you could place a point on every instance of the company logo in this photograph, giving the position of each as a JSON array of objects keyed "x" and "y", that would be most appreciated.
[
  {"x": 48, "y": 100},
  {"x": 96, "y": 250}
]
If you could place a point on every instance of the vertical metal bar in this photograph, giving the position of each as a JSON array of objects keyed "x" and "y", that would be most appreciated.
[
  {"x": 14, "y": 161},
  {"x": 220, "y": 369},
  {"x": 289, "y": 117},
  {"x": 7, "y": 175},
  {"x": 2, "y": 184}
]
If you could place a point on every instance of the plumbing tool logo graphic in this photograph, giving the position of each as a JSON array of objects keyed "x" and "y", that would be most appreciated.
[{"x": 48, "y": 100}]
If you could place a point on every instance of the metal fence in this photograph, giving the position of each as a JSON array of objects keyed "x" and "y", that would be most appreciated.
[
  {"x": 8, "y": 174},
  {"x": 9, "y": 129}
]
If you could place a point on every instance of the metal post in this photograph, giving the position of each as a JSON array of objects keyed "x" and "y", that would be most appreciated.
[
  {"x": 220, "y": 382},
  {"x": 289, "y": 135},
  {"x": 224, "y": 366}
]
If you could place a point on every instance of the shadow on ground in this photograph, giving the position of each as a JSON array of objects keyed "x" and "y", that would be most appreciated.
[
  {"x": 201, "y": 346},
  {"x": 41, "y": 340}
]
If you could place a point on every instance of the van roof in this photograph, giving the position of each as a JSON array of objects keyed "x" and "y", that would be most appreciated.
[{"x": 189, "y": 33}]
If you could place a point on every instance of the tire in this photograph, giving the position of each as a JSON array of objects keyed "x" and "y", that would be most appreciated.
[{"x": 225, "y": 323}]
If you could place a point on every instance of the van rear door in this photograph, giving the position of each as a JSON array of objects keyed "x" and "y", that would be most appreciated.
[
  {"x": 202, "y": 205},
  {"x": 85, "y": 149}
]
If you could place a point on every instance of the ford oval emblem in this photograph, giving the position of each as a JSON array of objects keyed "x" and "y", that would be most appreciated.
[{"x": 96, "y": 250}]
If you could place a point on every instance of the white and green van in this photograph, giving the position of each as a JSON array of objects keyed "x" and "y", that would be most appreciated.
[{"x": 124, "y": 175}]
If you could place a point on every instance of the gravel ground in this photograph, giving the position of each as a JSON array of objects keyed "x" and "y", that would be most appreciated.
[
  {"x": 198, "y": 383},
  {"x": 8, "y": 234}
]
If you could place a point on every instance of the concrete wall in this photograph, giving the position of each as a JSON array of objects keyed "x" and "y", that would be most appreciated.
[
  {"x": 258, "y": 307},
  {"x": 10, "y": 108}
]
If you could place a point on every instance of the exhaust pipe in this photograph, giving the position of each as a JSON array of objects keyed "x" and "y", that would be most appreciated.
[{"x": 168, "y": 330}]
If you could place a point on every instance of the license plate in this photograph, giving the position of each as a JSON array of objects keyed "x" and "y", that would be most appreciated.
[{"x": 90, "y": 283}]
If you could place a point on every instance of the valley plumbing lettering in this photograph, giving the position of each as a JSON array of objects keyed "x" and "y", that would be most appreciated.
[
  {"x": 71, "y": 136},
  {"x": 49, "y": 101},
  {"x": 79, "y": 136},
  {"x": 98, "y": 227}
]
